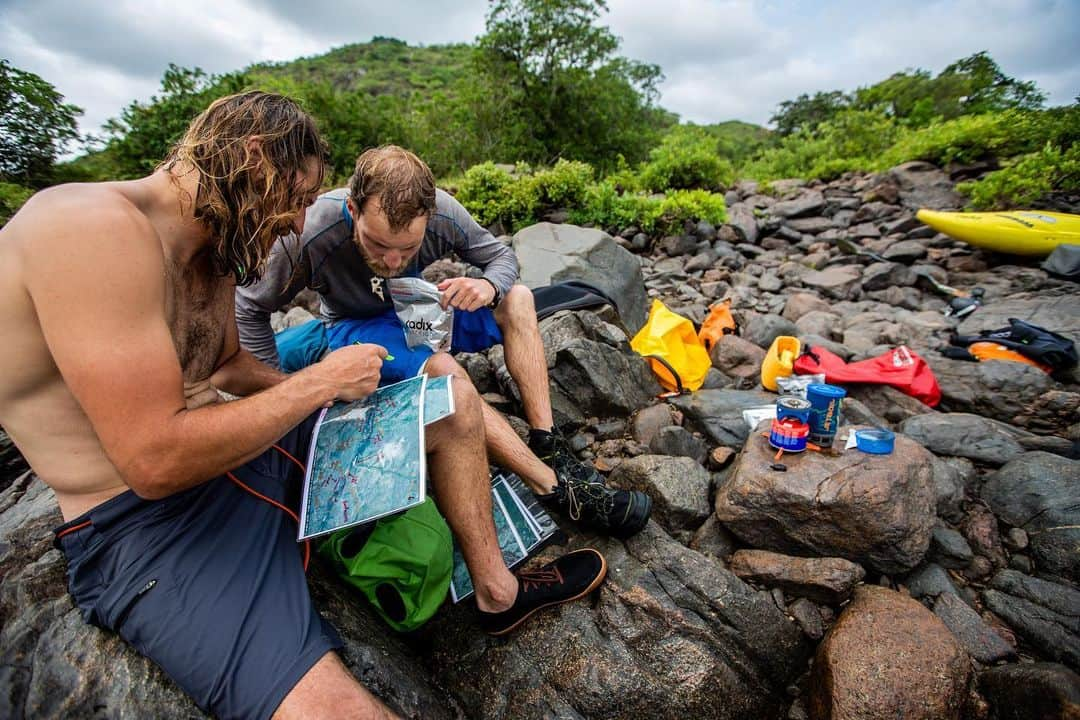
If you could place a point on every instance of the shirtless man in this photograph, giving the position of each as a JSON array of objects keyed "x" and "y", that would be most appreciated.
[{"x": 118, "y": 328}]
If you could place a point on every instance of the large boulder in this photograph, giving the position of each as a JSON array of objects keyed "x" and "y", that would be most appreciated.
[
  {"x": 670, "y": 634},
  {"x": 1010, "y": 391},
  {"x": 1040, "y": 493},
  {"x": 551, "y": 253},
  {"x": 876, "y": 510},
  {"x": 888, "y": 657}
]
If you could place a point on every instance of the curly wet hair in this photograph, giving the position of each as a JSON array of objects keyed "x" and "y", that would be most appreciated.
[
  {"x": 247, "y": 196},
  {"x": 401, "y": 181}
]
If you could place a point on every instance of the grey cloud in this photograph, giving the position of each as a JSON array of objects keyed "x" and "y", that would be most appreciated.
[
  {"x": 134, "y": 47},
  {"x": 425, "y": 21}
]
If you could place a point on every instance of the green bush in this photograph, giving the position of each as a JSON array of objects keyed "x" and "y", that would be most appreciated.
[
  {"x": 1026, "y": 181},
  {"x": 12, "y": 197},
  {"x": 563, "y": 185},
  {"x": 605, "y": 207},
  {"x": 681, "y": 206},
  {"x": 848, "y": 141},
  {"x": 966, "y": 139},
  {"x": 686, "y": 158}
]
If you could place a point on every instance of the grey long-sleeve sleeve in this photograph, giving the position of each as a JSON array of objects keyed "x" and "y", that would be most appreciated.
[
  {"x": 473, "y": 243},
  {"x": 287, "y": 272}
]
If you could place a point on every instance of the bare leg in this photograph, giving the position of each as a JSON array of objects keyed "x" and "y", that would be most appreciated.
[
  {"x": 458, "y": 468},
  {"x": 516, "y": 318},
  {"x": 504, "y": 446},
  {"x": 328, "y": 691}
]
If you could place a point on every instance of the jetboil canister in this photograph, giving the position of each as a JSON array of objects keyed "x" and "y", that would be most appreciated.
[
  {"x": 825, "y": 406},
  {"x": 791, "y": 406},
  {"x": 789, "y": 434}
]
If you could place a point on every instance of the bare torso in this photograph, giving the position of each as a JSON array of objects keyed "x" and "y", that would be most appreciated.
[{"x": 38, "y": 411}]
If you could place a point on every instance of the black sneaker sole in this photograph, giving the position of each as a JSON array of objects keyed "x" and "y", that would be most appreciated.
[
  {"x": 592, "y": 586},
  {"x": 642, "y": 520}
]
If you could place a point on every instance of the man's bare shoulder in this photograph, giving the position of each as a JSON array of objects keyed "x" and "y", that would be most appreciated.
[{"x": 86, "y": 218}]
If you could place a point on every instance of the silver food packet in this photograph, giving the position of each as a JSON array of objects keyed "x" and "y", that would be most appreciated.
[
  {"x": 796, "y": 385},
  {"x": 417, "y": 304}
]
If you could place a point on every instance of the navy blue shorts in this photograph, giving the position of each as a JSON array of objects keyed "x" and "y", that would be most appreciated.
[
  {"x": 473, "y": 332},
  {"x": 208, "y": 583}
]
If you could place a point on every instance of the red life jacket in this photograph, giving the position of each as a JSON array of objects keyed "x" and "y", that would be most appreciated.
[{"x": 900, "y": 367}]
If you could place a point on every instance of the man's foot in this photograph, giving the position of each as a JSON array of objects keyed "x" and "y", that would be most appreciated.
[
  {"x": 573, "y": 576},
  {"x": 582, "y": 494}
]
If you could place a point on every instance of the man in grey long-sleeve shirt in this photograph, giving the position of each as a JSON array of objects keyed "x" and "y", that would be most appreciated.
[{"x": 392, "y": 221}]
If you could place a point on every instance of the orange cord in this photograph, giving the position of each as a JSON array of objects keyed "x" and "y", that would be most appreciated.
[
  {"x": 275, "y": 503},
  {"x": 72, "y": 529}
]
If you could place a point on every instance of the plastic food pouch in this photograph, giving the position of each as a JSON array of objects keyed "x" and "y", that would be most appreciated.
[
  {"x": 796, "y": 384},
  {"x": 417, "y": 304}
]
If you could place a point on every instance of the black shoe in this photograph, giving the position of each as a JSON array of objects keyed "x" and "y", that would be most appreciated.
[
  {"x": 572, "y": 576},
  {"x": 582, "y": 494}
]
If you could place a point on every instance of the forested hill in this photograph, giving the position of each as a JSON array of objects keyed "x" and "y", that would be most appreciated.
[{"x": 384, "y": 66}]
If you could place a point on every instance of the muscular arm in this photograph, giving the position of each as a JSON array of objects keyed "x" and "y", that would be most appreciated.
[{"x": 98, "y": 290}]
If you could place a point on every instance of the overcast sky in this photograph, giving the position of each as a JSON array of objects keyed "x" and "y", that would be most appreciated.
[{"x": 723, "y": 59}]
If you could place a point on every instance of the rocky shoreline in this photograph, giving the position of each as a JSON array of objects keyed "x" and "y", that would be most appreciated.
[{"x": 937, "y": 582}]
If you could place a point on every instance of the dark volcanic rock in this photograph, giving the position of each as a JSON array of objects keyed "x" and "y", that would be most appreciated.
[
  {"x": 964, "y": 435},
  {"x": 1039, "y": 691},
  {"x": 678, "y": 441},
  {"x": 929, "y": 581},
  {"x": 718, "y": 413},
  {"x": 978, "y": 639},
  {"x": 825, "y": 580},
  {"x": 592, "y": 369},
  {"x": 679, "y": 487},
  {"x": 1046, "y": 614},
  {"x": 670, "y": 634},
  {"x": 876, "y": 510},
  {"x": 923, "y": 185},
  {"x": 1040, "y": 493},
  {"x": 888, "y": 657}
]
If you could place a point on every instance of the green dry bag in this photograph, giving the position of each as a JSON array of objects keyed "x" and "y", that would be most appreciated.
[{"x": 403, "y": 568}]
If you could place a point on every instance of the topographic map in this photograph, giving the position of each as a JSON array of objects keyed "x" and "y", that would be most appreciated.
[{"x": 367, "y": 459}]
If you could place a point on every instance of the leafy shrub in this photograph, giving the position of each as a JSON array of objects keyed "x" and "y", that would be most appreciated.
[
  {"x": 849, "y": 141},
  {"x": 563, "y": 185},
  {"x": 483, "y": 192},
  {"x": 686, "y": 158},
  {"x": 965, "y": 139},
  {"x": 1026, "y": 181},
  {"x": 12, "y": 197},
  {"x": 605, "y": 207},
  {"x": 689, "y": 205}
]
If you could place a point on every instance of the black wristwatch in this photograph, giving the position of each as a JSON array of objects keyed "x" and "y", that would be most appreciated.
[{"x": 498, "y": 295}]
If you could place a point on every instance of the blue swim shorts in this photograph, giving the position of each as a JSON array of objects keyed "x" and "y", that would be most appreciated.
[
  {"x": 208, "y": 583},
  {"x": 473, "y": 332}
]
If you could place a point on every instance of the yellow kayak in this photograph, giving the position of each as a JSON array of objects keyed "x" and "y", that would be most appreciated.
[{"x": 1017, "y": 232}]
